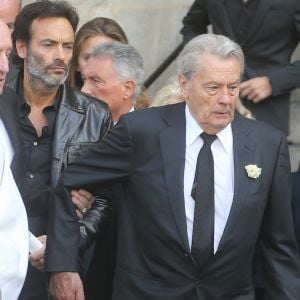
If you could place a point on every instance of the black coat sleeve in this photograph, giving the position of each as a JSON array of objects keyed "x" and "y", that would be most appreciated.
[{"x": 195, "y": 22}]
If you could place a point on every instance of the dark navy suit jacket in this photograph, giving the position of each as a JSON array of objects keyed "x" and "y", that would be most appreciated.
[{"x": 296, "y": 204}]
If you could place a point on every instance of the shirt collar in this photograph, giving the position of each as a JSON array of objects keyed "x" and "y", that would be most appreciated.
[
  {"x": 193, "y": 130},
  {"x": 131, "y": 110}
]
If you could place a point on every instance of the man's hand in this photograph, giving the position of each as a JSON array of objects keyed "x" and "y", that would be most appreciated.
[
  {"x": 37, "y": 257},
  {"x": 83, "y": 201},
  {"x": 256, "y": 89},
  {"x": 66, "y": 286}
]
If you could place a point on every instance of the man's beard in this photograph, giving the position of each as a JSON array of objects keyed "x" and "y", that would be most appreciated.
[{"x": 38, "y": 70}]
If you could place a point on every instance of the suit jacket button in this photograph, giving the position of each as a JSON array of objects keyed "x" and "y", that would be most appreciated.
[
  {"x": 199, "y": 282},
  {"x": 186, "y": 254}
]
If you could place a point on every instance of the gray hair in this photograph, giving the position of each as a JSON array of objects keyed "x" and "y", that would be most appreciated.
[
  {"x": 126, "y": 61},
  {"x": 219, "y": 45}
]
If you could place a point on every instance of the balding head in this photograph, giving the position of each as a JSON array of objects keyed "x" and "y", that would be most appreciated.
[
  {"x": 8, "y": 12},
  {"x": 5, "y": 48}
]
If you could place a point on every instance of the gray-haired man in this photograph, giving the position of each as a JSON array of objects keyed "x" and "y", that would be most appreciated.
[{"x": 114, "y": 73}]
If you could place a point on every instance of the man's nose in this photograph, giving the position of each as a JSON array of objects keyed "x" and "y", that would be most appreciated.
[
  {"x": 85, "y": 88},
  {"x": 60, "y": 53},
  {"x": 224, "y": 96}
]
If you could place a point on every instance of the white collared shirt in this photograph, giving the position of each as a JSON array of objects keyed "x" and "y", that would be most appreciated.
[{"x": 222, "y": 150}]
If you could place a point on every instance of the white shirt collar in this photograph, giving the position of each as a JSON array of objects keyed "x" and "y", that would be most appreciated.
[
  {"x": 193, "y": 130},
  {"x": 131, "y": 109}
]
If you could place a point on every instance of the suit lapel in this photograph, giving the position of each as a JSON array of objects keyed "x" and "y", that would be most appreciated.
[
  {"x": 262, "y": 8},
  {"x": 243, "y": 149},
  {"x": 172, "y": 144}
]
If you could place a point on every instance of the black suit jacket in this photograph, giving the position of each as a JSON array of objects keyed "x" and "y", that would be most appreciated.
[
  {"x": 145, "y": 151},
  {"x": 296, "y": 203},
  {"x": 268, "y": 45},
  {"x": 9, "y": 115}
]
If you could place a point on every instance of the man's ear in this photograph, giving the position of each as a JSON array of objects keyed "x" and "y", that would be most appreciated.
[
  {"x": 21, "y": 49},
  {"x": 128, "y": 89},
  {"x": 183, "y": 85}
]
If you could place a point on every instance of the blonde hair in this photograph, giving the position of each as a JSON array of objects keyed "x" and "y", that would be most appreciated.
[{"x": 169, "y": 94}]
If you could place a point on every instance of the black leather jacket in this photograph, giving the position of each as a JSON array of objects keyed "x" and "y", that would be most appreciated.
[{"x": 81, "y": 122}]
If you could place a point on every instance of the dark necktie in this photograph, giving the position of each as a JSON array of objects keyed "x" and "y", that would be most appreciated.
[{"x": 203, "y": 194}]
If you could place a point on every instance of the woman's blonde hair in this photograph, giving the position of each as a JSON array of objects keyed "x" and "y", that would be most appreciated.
[{"x": 169, "y": 94}]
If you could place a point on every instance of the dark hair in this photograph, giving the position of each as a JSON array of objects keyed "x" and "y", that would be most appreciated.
[
  {"x": 39, "y": 10},
  {"x": 96, "y": 27}
]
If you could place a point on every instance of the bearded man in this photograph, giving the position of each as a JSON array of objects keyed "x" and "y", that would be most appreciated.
[{"x": 58, "y": 124}]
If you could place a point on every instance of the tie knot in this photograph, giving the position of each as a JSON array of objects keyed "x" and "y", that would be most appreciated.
[{"x": 208, "y": 138}]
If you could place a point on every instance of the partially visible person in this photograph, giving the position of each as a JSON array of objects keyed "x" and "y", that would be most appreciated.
[
  {"x": 168, "y": 94},
  {"x": 201, "y": 186},
  {"x": 58, "y": 124},
  {"x": 98, "y": 30},
  {"x": 8, "y": 12},
  {"x": 114, "y": 73},
  {"x": 269, "y": 74},
  {"x": 13, "y": 217}
]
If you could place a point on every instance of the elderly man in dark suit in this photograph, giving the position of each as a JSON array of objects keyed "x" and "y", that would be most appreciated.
[
  {"x": 268, "y": 32},
  {"x": 201, "y": 187}
]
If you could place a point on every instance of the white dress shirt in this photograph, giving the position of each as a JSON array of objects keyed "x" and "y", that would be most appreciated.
[
  {"x": 14, "y": 237},
  {"x": 222, "y": 150}
]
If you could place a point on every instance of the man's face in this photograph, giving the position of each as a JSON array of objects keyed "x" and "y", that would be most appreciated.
[
  {"x": 47, "y": 56},
  {"x": 87, "y": 46},
  {"x": 101, "y": 81},
  {"x": 5, "y": 48},
  {"x": 212, "y": 92},
  {"x": 8, "y": 12}
]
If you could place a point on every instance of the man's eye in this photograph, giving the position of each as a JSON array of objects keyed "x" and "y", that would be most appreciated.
[
  {"x": 212, "y": 90},
  {"x": 233, "y": 89},
  {"x": 97, "y": 81},
  {"x": 69, "y": 47}
]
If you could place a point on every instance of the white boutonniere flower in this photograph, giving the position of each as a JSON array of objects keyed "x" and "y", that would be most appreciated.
[{"x": 253, "y": 171}]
